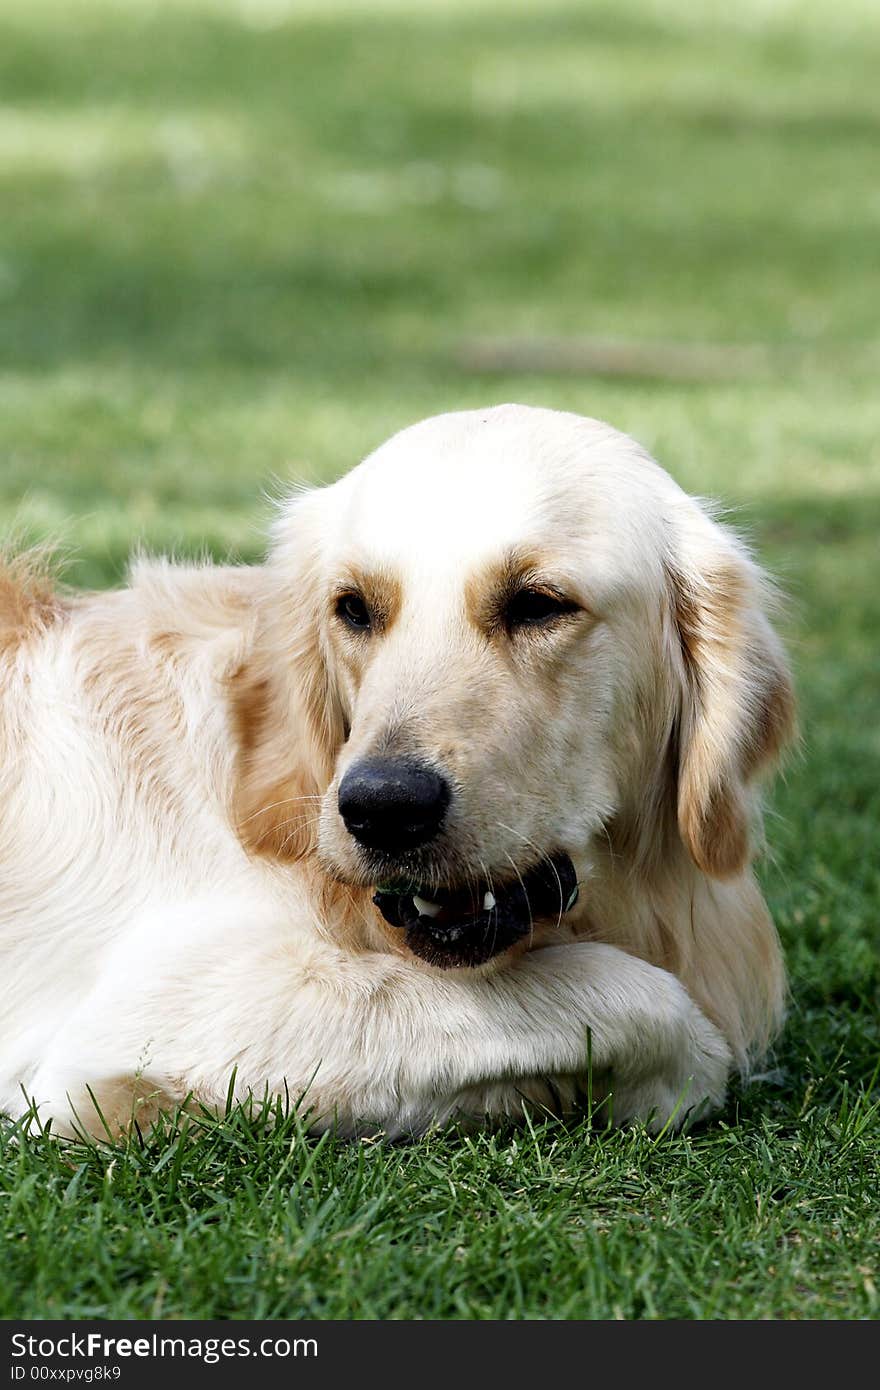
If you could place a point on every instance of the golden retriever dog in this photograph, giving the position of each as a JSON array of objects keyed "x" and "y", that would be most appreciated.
[{"x": 451, "y": 799}]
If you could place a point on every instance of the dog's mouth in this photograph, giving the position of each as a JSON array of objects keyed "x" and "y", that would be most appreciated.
[{"x": 458, "y": 927}]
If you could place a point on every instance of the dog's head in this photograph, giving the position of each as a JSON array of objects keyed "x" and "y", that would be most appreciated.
[{"x": 503, "y": 634}]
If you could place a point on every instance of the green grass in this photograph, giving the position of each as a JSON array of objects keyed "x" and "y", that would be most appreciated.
[{"x": 242, "y": 243}]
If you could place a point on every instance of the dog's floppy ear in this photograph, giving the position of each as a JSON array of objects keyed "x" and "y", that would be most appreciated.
[
  {"x": 736, "y": 711},
  {"x": 287, "y": 711}
]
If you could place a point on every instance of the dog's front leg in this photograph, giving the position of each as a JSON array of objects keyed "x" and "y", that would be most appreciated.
[
  {"x": 371, "y": 1041},
  {"x": 654, "y": 1056}
]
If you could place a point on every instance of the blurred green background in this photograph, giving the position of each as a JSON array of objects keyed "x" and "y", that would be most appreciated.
[{"x": 242, "y": 241}]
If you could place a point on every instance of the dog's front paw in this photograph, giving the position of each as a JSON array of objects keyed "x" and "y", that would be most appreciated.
[{"x": 691, "y": 1083}]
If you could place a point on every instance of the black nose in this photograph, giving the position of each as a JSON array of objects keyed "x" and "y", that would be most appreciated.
[{"x": 392, "y": 804}]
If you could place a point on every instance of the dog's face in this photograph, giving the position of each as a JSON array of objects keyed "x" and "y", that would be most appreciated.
[
  {"x": 470, "y": 603},
  {"x": 501, "y": 629}
]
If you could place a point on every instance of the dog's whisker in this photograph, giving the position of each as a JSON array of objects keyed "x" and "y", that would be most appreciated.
[
  {"x": 526, "y": 896},
  {"x": 607, "y": 835},
  {"x": 543, "y": 857},
  {"x": 273, "y": 806},
  {"x": 299, "y": 821},
  {"x": 296, "y": 825},
  {"x": 487, "y": 878},
  {"x": 358, "y": 907}
]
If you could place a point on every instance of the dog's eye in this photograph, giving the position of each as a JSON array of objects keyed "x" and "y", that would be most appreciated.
[
  {"x": 354, "y": 612},
  {"x": 536, "y": 608}
]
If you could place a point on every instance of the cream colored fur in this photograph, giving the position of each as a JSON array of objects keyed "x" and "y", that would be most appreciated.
[{"x": 179, "y": 899}]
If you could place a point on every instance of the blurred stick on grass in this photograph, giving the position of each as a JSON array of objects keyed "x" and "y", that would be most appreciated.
[{"x": 598, "y": 357}]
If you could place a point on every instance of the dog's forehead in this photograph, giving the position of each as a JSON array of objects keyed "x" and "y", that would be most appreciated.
[
  {"x": 459, "y": 490},
  {"x": 445, "y": 501}
]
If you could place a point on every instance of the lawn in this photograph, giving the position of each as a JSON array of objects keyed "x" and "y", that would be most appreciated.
[{"x": 241, "y": 242}]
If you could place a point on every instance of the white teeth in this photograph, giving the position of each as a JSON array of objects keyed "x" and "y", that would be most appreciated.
[
  {"x": 426, "y": 909},
  {"x": 488, "y": 902}
]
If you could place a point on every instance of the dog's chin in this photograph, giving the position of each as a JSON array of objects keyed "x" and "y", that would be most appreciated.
[{"x": 460, "y": 927}]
